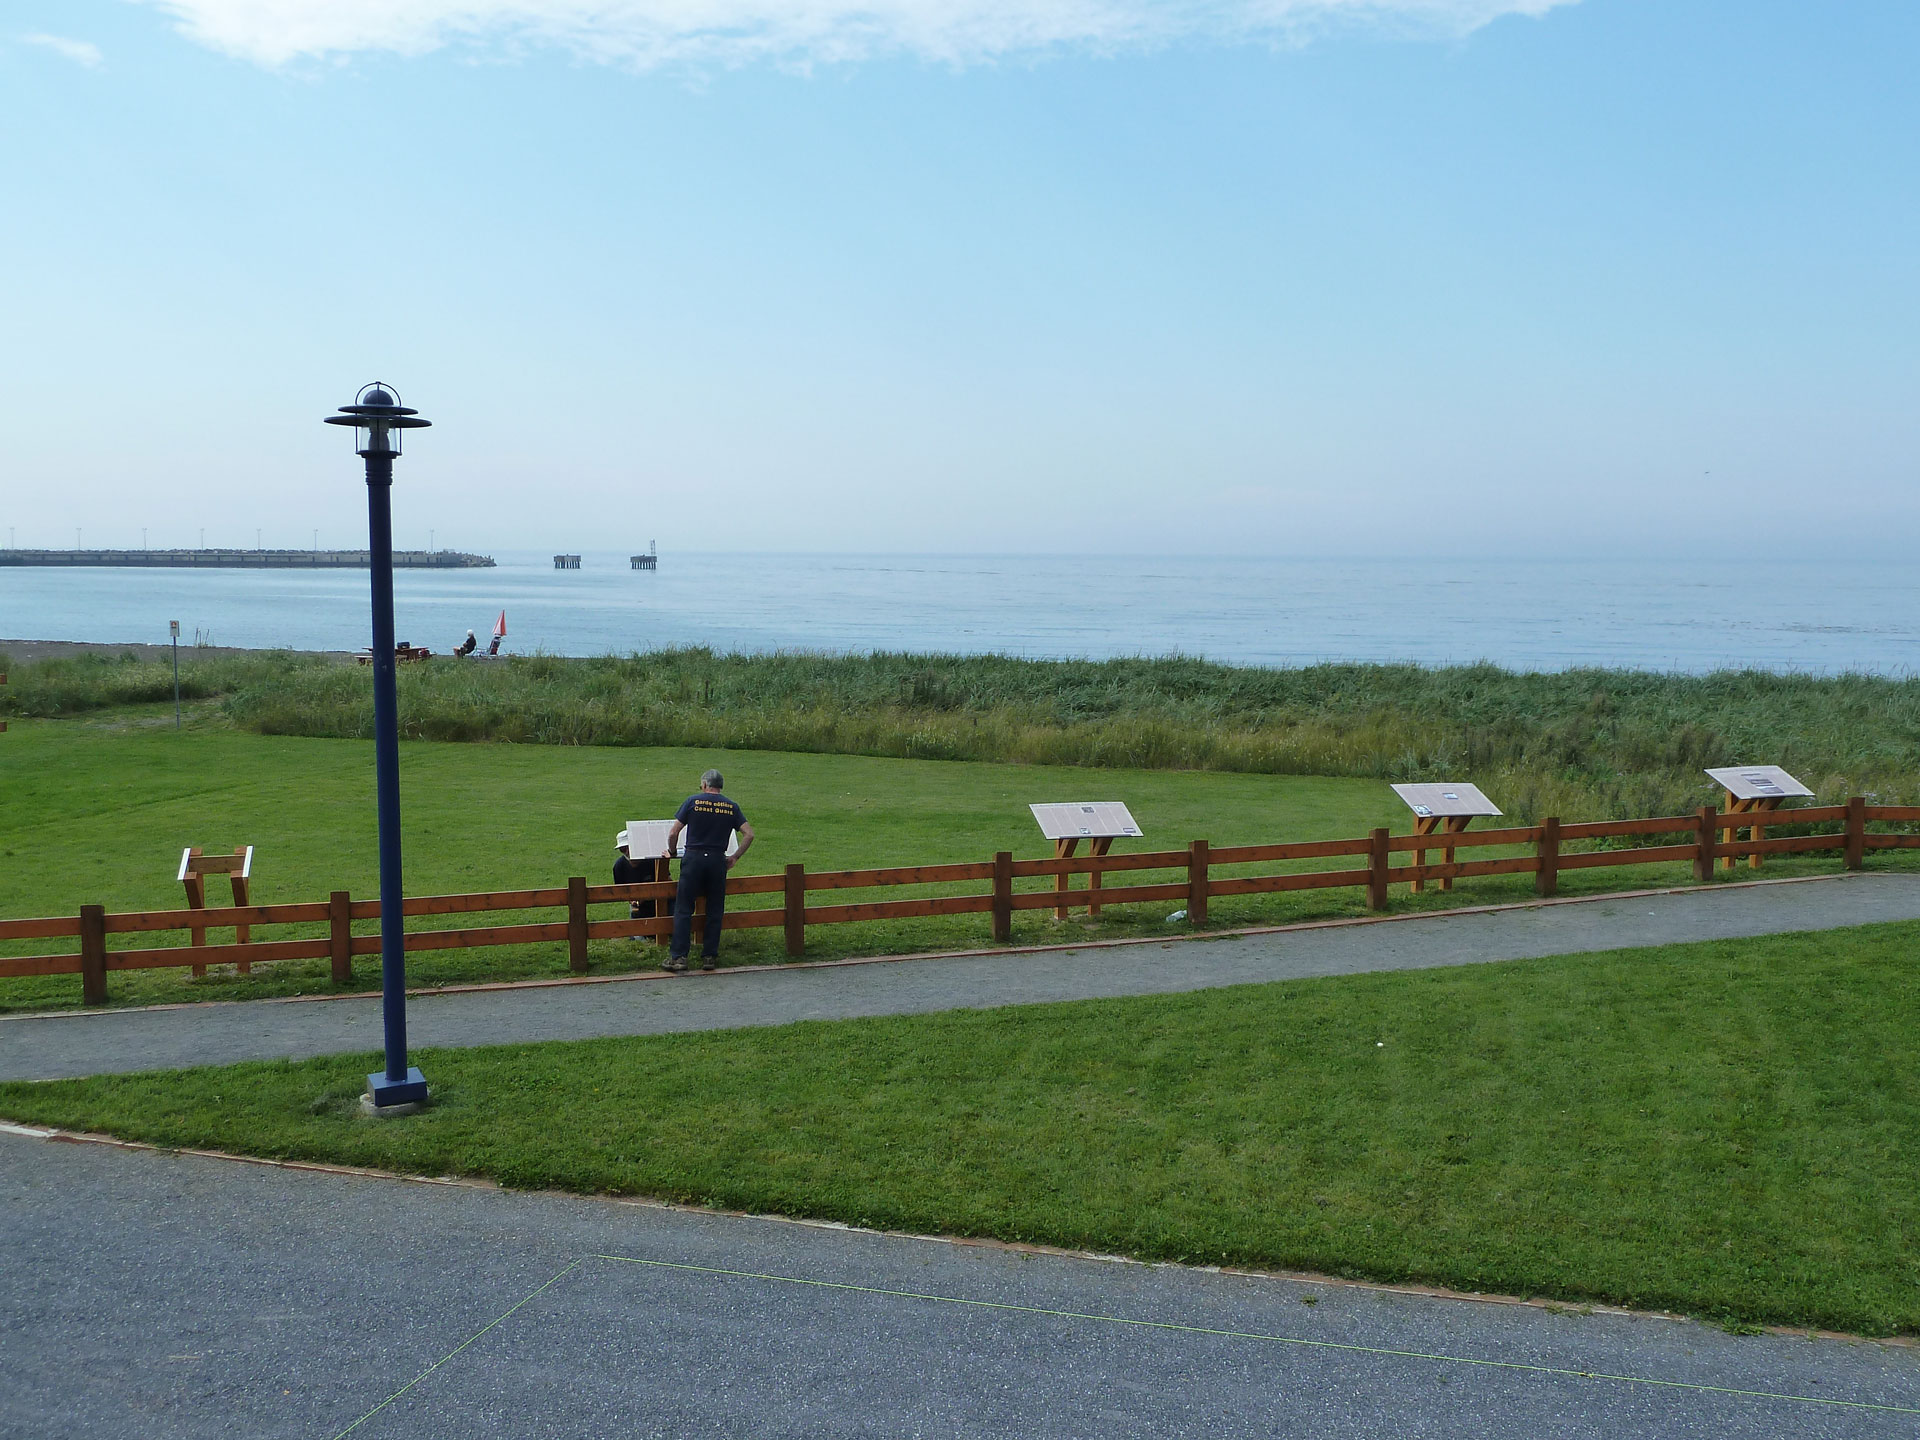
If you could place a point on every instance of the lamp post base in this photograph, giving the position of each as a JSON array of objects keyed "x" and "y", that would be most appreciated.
[{"x": 394, "y": 1097}]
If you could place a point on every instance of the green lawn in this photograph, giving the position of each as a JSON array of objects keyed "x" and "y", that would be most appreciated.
[
  {"x": 96, "y": 810},
  {"x": 1599, "y": 744},
  {"x": 1727, "y": 1129}
]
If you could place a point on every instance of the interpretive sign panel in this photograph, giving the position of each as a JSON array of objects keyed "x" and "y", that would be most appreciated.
[
  {"x": 649, "y": 837},
  {"x": 1102, "y": 819},
  {"x": 1445, "y": 801},
  {"x": 1448, "y": 808},
  {"x": 1758, "y": 782},
  {"x": 1099, "y": 823},
  {"x": 1751, "y": 791}
]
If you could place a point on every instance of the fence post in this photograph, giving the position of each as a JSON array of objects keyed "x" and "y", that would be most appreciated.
[
  {"x": 1547, "y": 880},
  {"x": 1197, "y": 883},
  {"x": 93, "y": 954},
  {"x": 1377, "y": 861},
  {"x": 1002, "y": 897},
  {"x": 663, "y": 908},
  {"x": 1857, "y": 833},
  {"x": 796, "y": 911},
  {"x": 242, "y": 896},
  {"x": 1705, "y": 824},
  {"x": 196, "y": 886},
  {"x": 340, "y": 923},
  {"x": 577, "y": 923}
]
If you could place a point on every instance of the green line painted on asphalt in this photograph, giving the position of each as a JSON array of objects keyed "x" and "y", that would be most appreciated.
[
  {"x": 1273, "y": 1339},
  {"x": 1170, "y": 1325},
  {"x": 497, "y": 1320}
]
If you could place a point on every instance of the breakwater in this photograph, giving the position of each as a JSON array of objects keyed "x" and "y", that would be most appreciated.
[{"x": 247, "y": 559}]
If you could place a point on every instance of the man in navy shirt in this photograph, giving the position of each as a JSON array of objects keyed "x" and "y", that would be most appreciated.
[{"x": 709, "y": 820}]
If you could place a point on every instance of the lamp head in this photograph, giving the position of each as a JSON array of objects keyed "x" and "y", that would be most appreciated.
[{"x": 377, "y": 418}]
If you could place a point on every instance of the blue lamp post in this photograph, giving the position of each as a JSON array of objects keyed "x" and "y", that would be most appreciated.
[{"x": 377, "y": 418}]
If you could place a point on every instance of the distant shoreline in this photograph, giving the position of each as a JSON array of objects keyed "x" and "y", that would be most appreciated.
[
  {"x": 26, "y": 651},
  {"x": 241, "y": 559}
]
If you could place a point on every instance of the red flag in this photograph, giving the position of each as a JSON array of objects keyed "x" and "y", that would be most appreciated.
[{"x": 500, "y": 627}]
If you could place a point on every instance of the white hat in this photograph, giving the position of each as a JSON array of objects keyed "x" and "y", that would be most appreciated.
[{"x": 620, "y": 841}]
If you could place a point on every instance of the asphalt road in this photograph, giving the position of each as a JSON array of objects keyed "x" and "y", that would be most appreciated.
[
  {"x": 81, "y": 1043},
  {"x": 169, "y": 1296}
]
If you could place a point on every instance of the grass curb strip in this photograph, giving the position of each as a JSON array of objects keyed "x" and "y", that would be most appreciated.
[{"x": 1724, "y": 1128}]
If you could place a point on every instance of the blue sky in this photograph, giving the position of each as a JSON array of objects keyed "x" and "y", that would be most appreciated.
[{"x": 1415, "y": 277}]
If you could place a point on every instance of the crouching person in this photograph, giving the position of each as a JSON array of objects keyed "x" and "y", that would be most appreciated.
[{"x": 628, "y": 870}]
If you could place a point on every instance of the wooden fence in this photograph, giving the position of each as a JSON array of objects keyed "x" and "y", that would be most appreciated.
[{"x": 1374, "y": 863}]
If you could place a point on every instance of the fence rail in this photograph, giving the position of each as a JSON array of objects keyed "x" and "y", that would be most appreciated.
[{"x": 1390, "y": 860}]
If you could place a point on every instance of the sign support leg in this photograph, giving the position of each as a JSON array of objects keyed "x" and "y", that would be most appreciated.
[
  {"x": 1099, "y": 845},
  {"x": 1455, "y": 824},
  {"x": 1063, "y": 849},
  {"x": 1759, "y": 831},
  {"x": 1732, "y": 833},
  {"x": 1422, "y": 825}
]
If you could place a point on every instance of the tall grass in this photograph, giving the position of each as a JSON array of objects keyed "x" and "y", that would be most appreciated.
[
  {"x": 1576, "y": 743},
  {"x": 78, "y": 684}
]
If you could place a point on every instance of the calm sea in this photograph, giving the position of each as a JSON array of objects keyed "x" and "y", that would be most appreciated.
[{"x": 1532, "y": 614}]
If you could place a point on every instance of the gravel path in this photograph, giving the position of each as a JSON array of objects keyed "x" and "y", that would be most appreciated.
[
  {"x": 196, "y": 1297},
  {"x": 80, "y": 1043}
]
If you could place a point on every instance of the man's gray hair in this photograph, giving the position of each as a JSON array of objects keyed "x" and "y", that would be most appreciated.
[{"x": 712, "y": 780}]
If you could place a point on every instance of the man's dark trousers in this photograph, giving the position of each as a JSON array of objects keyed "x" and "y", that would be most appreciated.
[{"x": 701, "y": 873}]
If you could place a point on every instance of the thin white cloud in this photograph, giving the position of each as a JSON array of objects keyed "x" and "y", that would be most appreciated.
[
  {"x": 81, "y": 52},
  {"x": 647, "y": 33}
]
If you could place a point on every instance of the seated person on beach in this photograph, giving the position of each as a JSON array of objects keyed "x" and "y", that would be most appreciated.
[
  {"x": 467, "y": 646},
  {"x": 629, "y": 871}
]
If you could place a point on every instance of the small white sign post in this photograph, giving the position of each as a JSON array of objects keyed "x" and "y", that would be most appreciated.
[
  {"x": 1446, "y": 808},
  {"x": 1099, "y": 823},
  {"x": 1752, "y": 788}
]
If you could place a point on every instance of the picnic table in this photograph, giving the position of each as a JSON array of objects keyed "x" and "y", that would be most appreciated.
[{"x": 403, "y": 654}]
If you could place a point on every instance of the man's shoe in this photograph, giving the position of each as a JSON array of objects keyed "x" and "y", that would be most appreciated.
[
  {"x": 710, "y": 962},
  {"x": 674, "y": 963}
]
